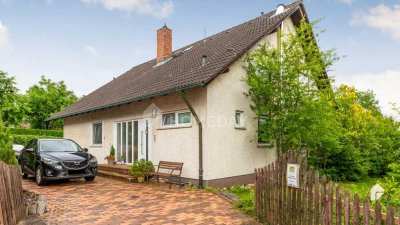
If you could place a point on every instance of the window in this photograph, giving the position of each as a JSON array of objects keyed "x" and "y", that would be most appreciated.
[
  {"x": 262, "y": 140},
  {"x": 184, "y": 118},
  {"x": 176, "y": 119},
  {"x": 97, "y": 133},
  {"x": 169, "y": 119},
  {"x": 239, "y": 119}
]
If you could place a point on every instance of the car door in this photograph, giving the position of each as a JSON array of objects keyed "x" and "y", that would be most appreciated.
[{"x": 29, "y": 155}]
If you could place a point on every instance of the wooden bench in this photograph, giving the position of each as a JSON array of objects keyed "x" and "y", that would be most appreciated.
[{"x": 171, "y": 170}]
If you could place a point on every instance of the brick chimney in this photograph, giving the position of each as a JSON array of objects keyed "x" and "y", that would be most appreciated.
[{"x": 164, "y": 43}]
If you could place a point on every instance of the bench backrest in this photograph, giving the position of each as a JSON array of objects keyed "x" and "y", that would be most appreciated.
[{"x": 176, "y": 166}]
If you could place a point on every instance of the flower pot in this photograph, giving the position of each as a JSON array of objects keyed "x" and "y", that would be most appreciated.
[
  {"x": 140, "y": 179},
  {"x": 111, "y": 161}
]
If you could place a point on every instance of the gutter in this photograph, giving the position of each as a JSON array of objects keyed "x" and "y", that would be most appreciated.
[{"x": 185, "y": 99}]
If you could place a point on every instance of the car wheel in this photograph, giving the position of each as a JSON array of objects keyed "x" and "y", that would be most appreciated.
[
  {"x": 39, "y": 176},
  {"x": 89, "y": 178}
]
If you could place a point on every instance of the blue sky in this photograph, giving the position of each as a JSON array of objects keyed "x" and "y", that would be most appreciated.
[{"x": 88, "y": 42}]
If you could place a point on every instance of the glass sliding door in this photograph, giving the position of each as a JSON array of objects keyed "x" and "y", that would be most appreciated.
[
  {"x": 127, "y": 141},
  {"x": 135, "y": 140},
  {"x": 130, "y": 142}
]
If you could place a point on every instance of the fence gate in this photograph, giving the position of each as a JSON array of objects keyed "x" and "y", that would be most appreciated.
[{"x": 314, "y": 201}]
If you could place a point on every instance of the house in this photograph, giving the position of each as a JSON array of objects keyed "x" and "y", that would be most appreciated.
[{"x": 185, "y": 105}]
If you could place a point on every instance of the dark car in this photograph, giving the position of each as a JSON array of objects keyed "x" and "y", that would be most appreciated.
[{"x": 56, "y": 159}]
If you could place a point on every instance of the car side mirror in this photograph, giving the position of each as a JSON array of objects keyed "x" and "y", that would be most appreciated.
[
  {"x": 85, "y": 149},
  {"x": 29, "y": 150}
]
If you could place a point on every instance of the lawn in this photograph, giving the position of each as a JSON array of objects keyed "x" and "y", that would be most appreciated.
[{"x": 362, "y": 188}]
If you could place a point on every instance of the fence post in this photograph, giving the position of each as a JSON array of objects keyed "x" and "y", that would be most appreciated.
[
  {"x": 323, "y": 201},
  {"x": 356, "y": 210},
  {"x": 378, "y": 214},
  {"x": 366, "y": 212},
  {"x": 338, "y": 206},
  {"x": 347, "y": 208},
  {"x": 310, "y": 197},
  {"x": 330, "y": 203},
  {"x": 390, "y": 216}
]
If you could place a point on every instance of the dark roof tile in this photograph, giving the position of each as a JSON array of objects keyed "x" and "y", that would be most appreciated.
[{"x": 183, "y": 70}]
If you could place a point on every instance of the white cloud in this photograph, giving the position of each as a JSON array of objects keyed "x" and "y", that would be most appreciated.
[
  {"x": 385, "y": 86},
  {"x": 381, "y": 17},
  {"x": 4, "y": 37},
  {"x": 157, "y": 8},
  {"x": 90, "y": 49}
]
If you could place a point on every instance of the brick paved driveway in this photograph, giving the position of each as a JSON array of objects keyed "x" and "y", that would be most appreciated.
[{"x": 107, "y": 201}]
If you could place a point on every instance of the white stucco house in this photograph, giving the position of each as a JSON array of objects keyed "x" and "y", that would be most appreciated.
[{"x": 185, "y": 105}]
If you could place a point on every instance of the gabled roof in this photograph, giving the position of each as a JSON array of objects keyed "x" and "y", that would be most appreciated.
[{"x": 184, "y": 69}]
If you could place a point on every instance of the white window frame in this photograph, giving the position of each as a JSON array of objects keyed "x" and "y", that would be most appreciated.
[
  {"x": 176, "y": 124},
  {"x": 241, "y": 124},
  {"x": 92, "y": 133}
]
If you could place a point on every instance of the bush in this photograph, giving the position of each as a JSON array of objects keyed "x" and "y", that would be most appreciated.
[
  {"x": 7, "y": 153},
  {"x": 37, "y": 132},
  {"x": 140, "y": 168},
  {"x": 23, "y": 139}
]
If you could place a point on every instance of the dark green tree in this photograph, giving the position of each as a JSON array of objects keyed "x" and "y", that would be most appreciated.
[
  {"x": 7, "y": 154},
  {"x": 46, "y": 98}
]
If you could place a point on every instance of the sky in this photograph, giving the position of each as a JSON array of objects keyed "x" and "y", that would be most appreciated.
[{"x": 88, "y": 42}]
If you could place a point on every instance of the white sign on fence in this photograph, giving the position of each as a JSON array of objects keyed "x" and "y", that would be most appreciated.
[{"x": 292, "y": 175}]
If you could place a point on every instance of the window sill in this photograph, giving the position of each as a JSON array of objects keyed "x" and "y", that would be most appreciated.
[
  {"x": 174, "y": 127},
  {"x": 240, "y": 127}
]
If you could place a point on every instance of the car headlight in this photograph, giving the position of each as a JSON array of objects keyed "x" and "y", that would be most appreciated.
[
  {"x": 52, "y": 162},
  {"x": 93, "y": 160}
]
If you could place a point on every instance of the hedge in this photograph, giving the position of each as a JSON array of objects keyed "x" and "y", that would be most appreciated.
[
  {"x": 23, "y": 139},
  {"x": 37, "y": 132}
]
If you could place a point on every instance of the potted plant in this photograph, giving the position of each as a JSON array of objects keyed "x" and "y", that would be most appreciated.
[
  {"x": 111, "y": 157},
  {"x": 140, "y": 169}
]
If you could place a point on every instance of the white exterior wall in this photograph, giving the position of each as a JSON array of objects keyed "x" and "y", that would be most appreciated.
[
  {"x": 174, "y": 144},
  {"x": 227, "y": 152},
  {"x": 231, "y": 151}
]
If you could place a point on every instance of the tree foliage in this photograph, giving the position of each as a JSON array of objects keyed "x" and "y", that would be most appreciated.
[
  {"x": 7, "y": 154},
  {"x": 340, "y": 130},
  {"x": 12, "y": 103},
  {"x": 45, "y": 99}
]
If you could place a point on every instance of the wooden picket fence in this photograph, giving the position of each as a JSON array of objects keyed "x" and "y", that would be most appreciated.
[
  {"x": 12, "y": 208},
  {"x": 315, "y": 202}
]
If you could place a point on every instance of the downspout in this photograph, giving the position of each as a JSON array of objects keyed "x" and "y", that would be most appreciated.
[{"x": 185, "y": 99}]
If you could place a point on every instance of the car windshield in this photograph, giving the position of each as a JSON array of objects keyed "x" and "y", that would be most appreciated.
[{"x": 59, "y": 146}]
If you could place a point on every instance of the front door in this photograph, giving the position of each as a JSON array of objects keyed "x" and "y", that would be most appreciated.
[{"x": 132, "y": 141}]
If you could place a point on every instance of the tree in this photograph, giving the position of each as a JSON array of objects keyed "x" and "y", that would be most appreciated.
[
  {"x": 288, "y": 85},
  {"x": 7, "y": 154},
  {"x": 45, "y": 99},
  {"x": 341, "y": 131},
  {"x": 11, "y": 102}
]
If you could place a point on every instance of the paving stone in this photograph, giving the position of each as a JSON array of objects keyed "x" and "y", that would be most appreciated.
[{"x": 109, "y": 201}]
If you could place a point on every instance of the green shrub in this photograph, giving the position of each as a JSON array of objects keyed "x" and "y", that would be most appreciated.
[
  {"x": 140, "y": 168},
  {"x": 7, "y": 153},
  {"x": 37, "y": 132},
  {"x": 246, "y": 198},
  {"x": 23, "y": 139}
]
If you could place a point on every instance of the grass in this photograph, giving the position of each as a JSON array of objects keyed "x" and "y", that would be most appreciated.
[
  {"x": 362, "y": 188},
  {"x": 246, "y": 198}
]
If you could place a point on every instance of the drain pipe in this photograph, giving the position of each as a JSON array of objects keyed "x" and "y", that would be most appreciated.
[{"x": 185, "y": 99}]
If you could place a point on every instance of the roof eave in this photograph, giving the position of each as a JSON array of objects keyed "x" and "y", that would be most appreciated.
[{"x": 187, "y": 87}]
